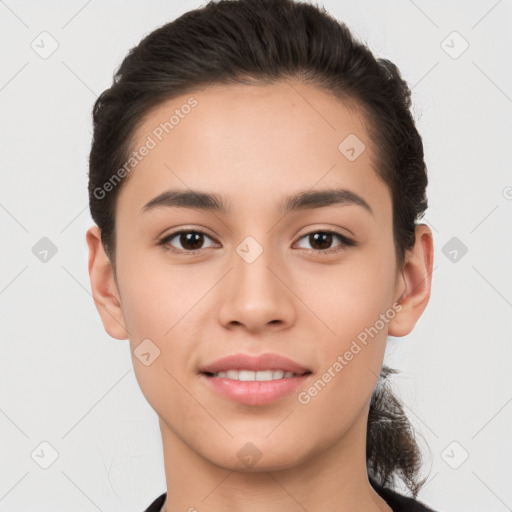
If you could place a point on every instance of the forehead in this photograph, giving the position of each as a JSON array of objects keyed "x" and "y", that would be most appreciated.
[{"x": 253, "y": 143}]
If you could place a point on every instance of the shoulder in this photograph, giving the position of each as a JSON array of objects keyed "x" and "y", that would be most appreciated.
[
  {"x": 156, "y": 506},
  {"x": 399, "y": 502}
]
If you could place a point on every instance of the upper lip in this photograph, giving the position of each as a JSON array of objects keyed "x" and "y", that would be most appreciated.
[{"x": 267, "y": 361}]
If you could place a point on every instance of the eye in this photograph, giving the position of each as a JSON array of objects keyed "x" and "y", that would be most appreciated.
[
  {"x": 193, "y": 240},
  {"x": 190, "y": 240},
  {"x": 321, "y": 241}
]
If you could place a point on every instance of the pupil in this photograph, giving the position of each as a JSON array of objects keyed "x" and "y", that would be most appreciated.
[
  {"x": 187, "y": 239},
  {"x": 324, "y": 239}
]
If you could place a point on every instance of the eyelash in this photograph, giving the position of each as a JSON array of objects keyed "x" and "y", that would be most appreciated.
[{"x": 345, "y": 242}]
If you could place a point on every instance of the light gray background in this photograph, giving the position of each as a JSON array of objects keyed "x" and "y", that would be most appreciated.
[{"x": 65, "y": 382}]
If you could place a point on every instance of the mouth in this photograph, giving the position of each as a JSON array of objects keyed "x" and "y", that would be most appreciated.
[
  {"x": 252, "y": 376},
  {"x": 254, "y": 380}
]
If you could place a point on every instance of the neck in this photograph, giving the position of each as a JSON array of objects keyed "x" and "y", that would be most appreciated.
[{"x": 334, "y": 479}]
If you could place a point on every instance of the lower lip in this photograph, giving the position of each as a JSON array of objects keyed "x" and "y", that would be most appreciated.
[{"x": 255, "y": 392}]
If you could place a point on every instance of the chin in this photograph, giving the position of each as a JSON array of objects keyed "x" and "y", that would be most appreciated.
[{"x": 259, "y": 456}]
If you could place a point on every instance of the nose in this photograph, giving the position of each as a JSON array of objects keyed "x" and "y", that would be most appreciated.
[{"x": 255, "y": 294}]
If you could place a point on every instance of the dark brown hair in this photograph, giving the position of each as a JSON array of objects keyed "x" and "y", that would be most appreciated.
[{"x": 259, "y": 42}]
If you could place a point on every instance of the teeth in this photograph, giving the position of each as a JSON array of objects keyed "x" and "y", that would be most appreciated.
[{"x": 249, "y": 375}]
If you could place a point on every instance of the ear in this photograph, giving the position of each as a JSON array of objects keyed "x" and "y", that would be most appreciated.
[
  {"x": 413, "y": 283},
  {"x": 104, "y": 288}
]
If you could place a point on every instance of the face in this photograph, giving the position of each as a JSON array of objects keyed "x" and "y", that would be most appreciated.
[{"x": 315, "y": 283}]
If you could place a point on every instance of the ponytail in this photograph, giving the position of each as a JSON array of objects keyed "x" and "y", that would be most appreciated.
[{"x": 391, "y": 447}]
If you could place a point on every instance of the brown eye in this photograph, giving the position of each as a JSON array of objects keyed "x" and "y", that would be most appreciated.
[
  {"x": 321, "y": 241},
  {"x": 191, "y": 241},
  {"x": 187, "y": 241}
]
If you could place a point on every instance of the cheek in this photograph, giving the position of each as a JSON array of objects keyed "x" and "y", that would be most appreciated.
[
  {"x": 354, "y": 304},
  {"x": 166, "y": 304},
  {"x": 161, "y": 308},
  {"x": 351, "y": 353},
  {"x": 155, "y": 294},
  {"x": 349, "y": 297}
]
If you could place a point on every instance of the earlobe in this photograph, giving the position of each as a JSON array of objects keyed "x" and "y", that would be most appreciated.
[
  {"x": 104, "y": 289},
  {"x": 415, "y": 283}
]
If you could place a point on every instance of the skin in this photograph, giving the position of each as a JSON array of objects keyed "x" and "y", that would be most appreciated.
[{"x": 255, "y": 145}]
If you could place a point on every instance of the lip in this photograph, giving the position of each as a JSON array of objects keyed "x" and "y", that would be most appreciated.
[
  {"x": 268, "y": 361},
  {"x": 255, "y": 392}
]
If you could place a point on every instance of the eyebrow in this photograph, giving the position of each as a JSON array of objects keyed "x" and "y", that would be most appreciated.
[{"x": 212, "y": 202}]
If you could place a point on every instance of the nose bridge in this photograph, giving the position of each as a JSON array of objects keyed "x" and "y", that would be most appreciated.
[
  {"x": 252, "y": 263},
  {"x": 253, "y": 295}
]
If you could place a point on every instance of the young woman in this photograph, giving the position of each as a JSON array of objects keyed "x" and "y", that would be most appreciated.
[{"x": 256, "y": 178}]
